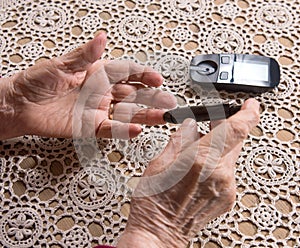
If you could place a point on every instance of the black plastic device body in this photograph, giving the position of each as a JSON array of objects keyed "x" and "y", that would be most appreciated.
[
  {"x": 235, "y": 72},
  {"x": 201, "y": 113}
]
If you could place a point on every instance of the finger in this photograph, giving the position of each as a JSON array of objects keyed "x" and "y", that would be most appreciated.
[
  {"x": 215, "y": 123},
  {"x": 225, "y": 141},
  {"x": 171, "y": 166},
  {"x": 118, "y": 130},
  {"x": 234, "y": 130},
  {"x": 149, "y": 117},
  {"x": 82, "y": 57},
  {"x": 248, "y": 114},
  {"x": 139, "y": 94},
  {"x": 130, "y": 112},
  {"x": 121, "y": 70},
  {"x": 184, "y": 137}
]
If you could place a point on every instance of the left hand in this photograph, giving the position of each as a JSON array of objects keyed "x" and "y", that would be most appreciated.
[{"x": 71, "y": 96}]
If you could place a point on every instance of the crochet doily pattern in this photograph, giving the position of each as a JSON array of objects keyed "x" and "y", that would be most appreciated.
[{"x": 61, "y": 193}]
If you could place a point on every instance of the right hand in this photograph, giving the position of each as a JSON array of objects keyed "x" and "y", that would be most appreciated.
[{"x": 189, "y": 184}]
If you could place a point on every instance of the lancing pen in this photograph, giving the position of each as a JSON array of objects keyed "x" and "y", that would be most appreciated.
[{"x": 201, "y": 113}]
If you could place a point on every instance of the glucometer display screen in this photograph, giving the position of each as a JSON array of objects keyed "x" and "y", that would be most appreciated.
[{"x": 247, "y": 71}]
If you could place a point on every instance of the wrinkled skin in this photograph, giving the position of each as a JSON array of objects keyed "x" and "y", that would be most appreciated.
[
  {"x": 71, "y": 96},
  {"x": 166, "y": 214},
  {"x": 189, "y": 184}
]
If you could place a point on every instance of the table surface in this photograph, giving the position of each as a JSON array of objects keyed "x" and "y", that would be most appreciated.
[{"x": 42, "y": 203}]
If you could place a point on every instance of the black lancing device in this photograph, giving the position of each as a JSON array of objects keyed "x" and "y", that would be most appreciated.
[{"x": 201, "y": 113}]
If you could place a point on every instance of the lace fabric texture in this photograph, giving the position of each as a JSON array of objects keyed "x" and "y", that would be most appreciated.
[{"x": 57, "y": 193}]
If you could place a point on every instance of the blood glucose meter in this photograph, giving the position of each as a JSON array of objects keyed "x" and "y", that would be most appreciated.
[{"x": 235, "y": 72}]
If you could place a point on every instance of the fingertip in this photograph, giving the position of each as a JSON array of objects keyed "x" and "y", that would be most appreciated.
[
  {"x": 118, "y": 130},
  {"x": 84, "y": 56},
  {"x": 160, "y": 79},
  {"x": 101, "y": 34},
  {"x": 152, "y": 77},
  {"x": 98, "y": 45},
  {"x": 251, "y": 103},
  {"x": 189, "y": 130},
  {"x": 134, "y": 130},
  {"x": 189, "y": 122},
  {"x": 157, "y": 76},
  {"x": 172, "y": 101},
  {"x": 168, "y": 101}
]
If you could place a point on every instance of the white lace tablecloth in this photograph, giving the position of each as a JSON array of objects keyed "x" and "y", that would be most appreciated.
[{"x": 54, "y": 193}]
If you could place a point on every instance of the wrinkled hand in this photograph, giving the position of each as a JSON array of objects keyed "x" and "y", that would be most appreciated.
[
  {"x": 72, "y": 95},
  {"x": 189, "y": 184}
]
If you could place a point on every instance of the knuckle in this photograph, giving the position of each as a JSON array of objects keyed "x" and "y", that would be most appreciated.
[
  {"x": 229, "y": 194},
  {"x": 225, "y": 183},
  {"x": 229, "y": 200},
  {"x": 238, "y": 129},
  {"x": 79, "y": 52},
  {"x": 229, "y": 190}
]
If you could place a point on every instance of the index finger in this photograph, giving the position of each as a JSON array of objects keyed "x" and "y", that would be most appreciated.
[{"x": 126, "y": 70}]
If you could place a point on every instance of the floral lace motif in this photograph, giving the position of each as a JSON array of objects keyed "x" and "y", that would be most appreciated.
[
  {"x": 182, "y": 34},
  {"x": 275, "y": 167},
  {"x": 229, "y": 10},
  {"x": 47, "y": 19},
  {"x": 225, "y": 41},
  {"x": 275, "y": 16},
  {"x": 188, "y": 8},
  {"x": 92, "y": 188},
  {"x": 272, "y": 48},
  {"x": 20, "y": 227},
  {"x": 34, "y": 50},
  {"x": 173, "y": 68},
  {"x": 90, "y": 22},
  {"x": 266, "y": 216},
  {"x": 77, "y": 237},
  {"x": 136, "y": 28}
]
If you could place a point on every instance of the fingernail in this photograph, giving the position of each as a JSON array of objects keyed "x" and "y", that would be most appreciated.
[{"x": 190, "y": 123}]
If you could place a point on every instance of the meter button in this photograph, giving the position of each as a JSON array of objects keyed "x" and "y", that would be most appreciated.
[
  {"x": 225, "y": 59},
  {"x": 224, "y": 75}
]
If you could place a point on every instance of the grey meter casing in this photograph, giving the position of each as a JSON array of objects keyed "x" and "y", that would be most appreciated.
[{"x": 235, "y": 72}]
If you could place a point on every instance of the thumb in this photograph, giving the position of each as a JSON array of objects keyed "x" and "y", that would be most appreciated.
[
  {"x": 185, "y": 136},
  {"x": 173, "y": 164},
  {"x": 82, "y": 57}
]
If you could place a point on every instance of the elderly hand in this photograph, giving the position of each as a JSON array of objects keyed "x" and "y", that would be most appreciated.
[
  {"x": 189, "y": 184},
  {"x": 72, "y": 95}
]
